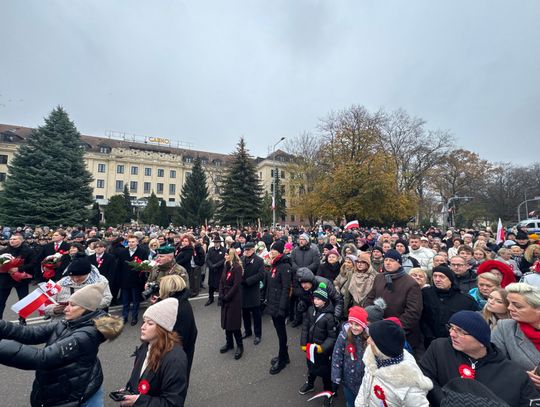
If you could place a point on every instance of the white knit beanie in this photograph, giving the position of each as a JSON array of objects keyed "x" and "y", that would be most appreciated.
[
  {"x": 89, "y": 297},
  {"x": 163, "y": 313}
]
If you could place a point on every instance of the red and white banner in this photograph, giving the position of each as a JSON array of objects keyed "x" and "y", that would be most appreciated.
[
  {"x": 352, "y": 224},
  {"x": 500, "y": 232},
  {"x": 37, "y": 299},
  {"x": 311, "y": 349}
]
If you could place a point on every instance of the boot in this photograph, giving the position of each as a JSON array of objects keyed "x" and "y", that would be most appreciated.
[
  {"x": 210, "y": 301},
  {"x": 225, "y": 348},
  {"x": 278, "y": 367},
  {"x": 239, "y": 352},
  {"x": 274, "y": 360}
]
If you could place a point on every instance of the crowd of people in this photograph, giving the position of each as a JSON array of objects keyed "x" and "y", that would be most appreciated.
[{"x": 387, "y": 317}]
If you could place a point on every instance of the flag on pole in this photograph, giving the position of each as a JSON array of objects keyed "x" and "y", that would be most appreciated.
[
  {"x": 36, "y": 299},
  {"x": 273, "y": 203},
  {"x": 500, "y": 232},
  {"x": 311, "y": 349},
  {"x": 352, "y": 224}
]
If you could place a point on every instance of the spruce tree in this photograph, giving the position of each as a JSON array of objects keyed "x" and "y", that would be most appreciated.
[
  {"x": 127, "y": 204},
  {"x": 163, "y": 214},
  {"x": 115, "y": 211},
  {"x": 150, "y": 214},
  {"x": 95, "y": 215},
  {"x": 266, "y": 209},
  {"x": 47, "y": 180},
  {"x": 241, "y": 196},
  {"x": 281, "y": 209},
  {"x": 195, "y": 205}
]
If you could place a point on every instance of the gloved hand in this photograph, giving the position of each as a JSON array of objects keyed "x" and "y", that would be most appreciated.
[
  {"x": 303, "y": 348},
  {"x": 319, "y": 349}
]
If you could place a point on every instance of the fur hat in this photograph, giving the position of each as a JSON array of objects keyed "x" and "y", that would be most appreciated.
[
  {"x": 89, "y": 297},
  {"x": 163, "y": 313}
]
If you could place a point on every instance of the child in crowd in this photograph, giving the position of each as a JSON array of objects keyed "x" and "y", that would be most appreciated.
[
  {"x": 318, "y": 339},
  {"x": 347, "y": 365}
]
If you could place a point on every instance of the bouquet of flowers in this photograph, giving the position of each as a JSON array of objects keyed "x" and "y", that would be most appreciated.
[
  {"x": 51, "y": 263},
  {"x": 8, "y": 262},
  {"x": 142, "y": 266}
]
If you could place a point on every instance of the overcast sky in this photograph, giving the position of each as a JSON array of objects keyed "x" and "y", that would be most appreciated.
[{"x": 210, "y": 71}]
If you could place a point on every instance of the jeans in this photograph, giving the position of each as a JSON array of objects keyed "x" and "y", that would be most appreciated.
[
  {"x": 131, "y": 295},
  {"x": 350, "y": 396},
  {"x": 257, "y": 323},
  {"x": 281, "y": 331},
  {"x": 22, "y": 291},
  {"x": 96, "y": 400}
]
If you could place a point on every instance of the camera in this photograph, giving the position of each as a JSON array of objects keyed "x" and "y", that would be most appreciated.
[{"x": 153, "y": 289}]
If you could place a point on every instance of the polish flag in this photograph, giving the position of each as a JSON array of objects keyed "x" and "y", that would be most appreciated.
[
  {"x": 37, "y": 299},
  {"x": 311, "y": 348},
  {"x": 352, "y": 224},
  {"x": 500, "y": 232}
]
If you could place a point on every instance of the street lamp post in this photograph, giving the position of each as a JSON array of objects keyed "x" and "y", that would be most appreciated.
[{"x": 274, "y": 182}]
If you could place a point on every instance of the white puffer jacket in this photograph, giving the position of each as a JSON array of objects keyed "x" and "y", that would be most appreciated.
[{"x": 403, "y": 384}]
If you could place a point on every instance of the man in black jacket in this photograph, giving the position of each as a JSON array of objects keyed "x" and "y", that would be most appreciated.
[
  {"x": 308, "y": 284},
  {"x": 58, "y": 245},
  {"x": 9, "y": 280},
  {"x": 106, "y": 264},
  {"x": 251, "y": 293},
  {"x": 468, "y": 353},
  {"x": 215, "y": 260}
]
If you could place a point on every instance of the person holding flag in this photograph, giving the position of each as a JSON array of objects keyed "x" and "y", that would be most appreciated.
[{"x": 68, "y": 371}]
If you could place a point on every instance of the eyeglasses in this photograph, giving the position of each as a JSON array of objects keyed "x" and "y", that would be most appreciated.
[
  {"x": 457, "y": 265},
  {"x": 457, "y": 330}
]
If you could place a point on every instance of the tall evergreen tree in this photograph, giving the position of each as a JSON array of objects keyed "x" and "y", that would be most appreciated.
[
  {"x": 195, "y": 205},
  {"x": 150, "y": 214},
  {"x": 127, "y": 204},
  {"x": 241, "y": 196},
  {"x": 281, "y": 209},
  {"x": 115, "y": 211},
  {"x": 163, "y": 214},
  {"x": 95, "y": 215},
  {"x": 266, "y": 209},
  {"x": 47, "y": 180}
]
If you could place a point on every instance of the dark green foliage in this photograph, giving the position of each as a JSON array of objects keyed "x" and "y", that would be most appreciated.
[
  {"x": 195, "y": 206},
  {"x": 241, "y": 195},
  {"x": 151, "y": 214},
  {"x": 163, "y": 214},
  {"x": 95, "y": 215},
  {"x": 115, "y": 211},
  {"x": 281, "y": 209},
  {"x": 266, "y": 209},
  {"x": 47, "y": 180},
  {"x": 127, "y": 203}
]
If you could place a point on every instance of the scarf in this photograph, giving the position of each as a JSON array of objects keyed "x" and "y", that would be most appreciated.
[
  {"x": 93, "y": 278},
  {"x": 360, "y": 285},
  {"x": 389, "y": 277},
  {"x": 388, "y": 362},
  {"x": 532, "y": 334}
]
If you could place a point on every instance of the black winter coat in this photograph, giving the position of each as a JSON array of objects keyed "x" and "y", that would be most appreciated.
[
  {"x": 329, "y": 271},
  {"x": 306, "y": 297},
  {"x": 319, "y": 327},
  {"x": 29, "y": 265},
  {"x": 107, "y": 268},
  {"x": 168, "y": 385},
  {"x": 67, "y": 368},
  {"x": 215, "y": 260},
  {"x": 184, "y": 257},
  {"x": 306, "y": 256},
  {"x": 503, "y": 377},
  {"x": 467, "y": 281},
  {"x": 129, "y": 278},
  {"x": 186, "y": 327},
  {"x": 253, "y": 275},
  {"x": 439, "y": 306},
  {"x": 230, "y": 297},
  {"x": 278, "y": 287}
]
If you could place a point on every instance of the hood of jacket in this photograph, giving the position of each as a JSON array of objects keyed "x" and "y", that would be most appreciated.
[{"x": 305, "y": 274}]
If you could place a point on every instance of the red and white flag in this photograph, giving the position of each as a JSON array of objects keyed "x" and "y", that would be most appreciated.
[
  {"x": 37, "y": 299},
  {"x": 500, "y": 232},
  {"x": 311, "y": 349},
  {"x": 352, "y": 224}
]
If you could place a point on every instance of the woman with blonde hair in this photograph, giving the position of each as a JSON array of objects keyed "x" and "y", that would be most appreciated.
[
  {"x": 487, "y": 282},
  {"x": 230, "y": 300},
  {"x": 496, "y": 307},
  {"x": 153, "y": 245},
  {"x": 174, "y": 286},
  {"x": 530, "y": 258},
  {"x": 159, "y": 375}
]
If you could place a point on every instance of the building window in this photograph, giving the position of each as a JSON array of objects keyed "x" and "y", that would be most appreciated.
[
  {"x": 2, "y": 176},
  {"x": 160, "y": 172},
  {"x": 104, "y": 149},
  {"x": 119, "y": 169},
  {"x": 188, "y": 159},
  {"x": 204, "y": 161},
  {"x": 159, "y": 188},
  {"x": 133, "y": 186},
  {"x": 283, "y": 218},
  {"x": 171, "y": 199},
  {"x": 99, "y": 197},
  {"x": 101, "y": 168},
  {"x": 292, "y": 218},
  {"x": 217, "y": 163},
  {"x": 147, "y": 187},
  {"x": 173, "y": 174},
  {"x": 282, "y": 174},
  {"x": 172, "y": 189},
  {"x": 271, "y": 173},
  {"x": 3, "y": 159},
  {"x": 147, "y": 172},
  {"x": 119, "y": 186},
  {"x": 100, "y": 183},
  {"x": 272, "y": 187},
  {"x": 134, "y": 170}
]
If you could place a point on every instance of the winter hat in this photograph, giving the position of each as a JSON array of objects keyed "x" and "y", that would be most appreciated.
[
  {"x": 358, "y": 315},
  {"x": 249, "y": 245},
  {"x": 305, "y": 275},
  {"x": 388, "y": 336},
  {"x": 333, "y": 251},
  {"x": 80, "y": 265},
  {"x": 376, "y": 311},
  {"x": 395, "y": 320},
  {"x": 352, "y": 258},
  {"x": 89, "y": 297},
  {"x": 288, "y": 246},
  {"x": 473, "y": 323},
  {"x": 447, "y": 272},
  {"x": 168, "y": 249},
  {"x": 404, "y": 243},
  {"x": 506, "y": 271},
  {"x": 508, "y": 243},
  {"x": 521, "y": 235},
  {"x": 304, "y": 236},
  {"x": 321, "y": 293},
  {"x": 379, "y": 248},
  {"x": 393, "y": 254},
  {"x": 328, "y": 246},
  {"x": 279, "y": 246},
  {"x": 163, "y": 313}
]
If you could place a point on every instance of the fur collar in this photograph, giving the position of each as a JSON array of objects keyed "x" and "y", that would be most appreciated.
[{"x": 404, "y": 374}]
